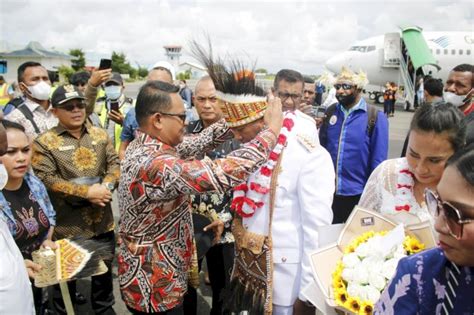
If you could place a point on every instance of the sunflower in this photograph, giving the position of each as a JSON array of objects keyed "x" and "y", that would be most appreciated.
[
  {"x": 341, "y": 296},
  {"x": 412, "y": 245},
  {"x": 366, "y": 308},
  {"x": 353, "y": 304},
  {"x": 51, "y": 140},
  {"x": 83, "y": 158}
]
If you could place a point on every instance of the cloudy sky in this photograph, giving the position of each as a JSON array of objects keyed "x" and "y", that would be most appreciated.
[{"x": 293, "y": 34}]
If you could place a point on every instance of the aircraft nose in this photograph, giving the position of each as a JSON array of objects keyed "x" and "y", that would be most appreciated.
[{"x": 335, "y": 63}]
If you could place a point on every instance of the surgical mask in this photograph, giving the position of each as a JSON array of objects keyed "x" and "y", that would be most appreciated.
[
  {"x": 3, "y": 176},
  {"x": 40, "y": 91},
  {"x": 113, "y": 92},
  {"x": 346, "y": 100},
  {"x": 456, "y": 100}
]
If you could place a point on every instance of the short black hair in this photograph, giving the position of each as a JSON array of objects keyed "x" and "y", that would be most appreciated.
[
  {"x": 307, "y": 79},
  {"x": 439, "y": 119},
  {"x": 7, "y": 124},
  {"x": 463, "y": 160},
  {"x": 433, "y": 87},
  {"x": 469, "y": 120},
  {"x": 464, "y": 67},
  {"x": 22, "y": 68},
  {"x": 79, "y": 78},
  {"x": 288, "y": 75},
  {"x": 153, "y": 97}
]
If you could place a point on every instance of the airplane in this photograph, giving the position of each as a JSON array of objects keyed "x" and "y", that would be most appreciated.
[{"x": 385, "y": 58}]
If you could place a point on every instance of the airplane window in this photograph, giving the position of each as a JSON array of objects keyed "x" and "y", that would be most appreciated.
[
  {"x": 453, "y": 51},
  {"x": 468, "y": 52},
  {"x": 460, "y": 51},
  {"x": 354, "y": 48},
  {"x": 438, "y": 51},
  {"x": 445, "y": 51},
  {"x": 370, "y": 48}
]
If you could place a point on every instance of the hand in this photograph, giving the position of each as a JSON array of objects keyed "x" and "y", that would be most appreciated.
[
  {"x": 273, "y": 115},
  {"x": 319, "y": 122},
  {"x": 98, "y": 194},
  {"x": 100, "y": 76},
  {"x": 306, "y": 108},
  {"x": 218, "y": 227},
  {"x": 49, "y": 243},
  {"x": 116, "y": 116},
  {"x": 302, "y": 308},
  {"x": 32, "y": 268}
]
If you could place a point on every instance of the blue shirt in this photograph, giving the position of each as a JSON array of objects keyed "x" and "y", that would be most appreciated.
[
  {"x": 41, "y": 196},
  {"x": 419, "y": 287},
  {"x": 129, "y": 127},
  {"x": 354, "y": 152}
]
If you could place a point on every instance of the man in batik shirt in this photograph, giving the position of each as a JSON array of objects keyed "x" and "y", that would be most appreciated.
[
  {"x": 80, "y": 168},
  {"x": 158, "y": 175}
]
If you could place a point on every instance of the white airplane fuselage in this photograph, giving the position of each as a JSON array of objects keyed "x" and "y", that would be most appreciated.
[{"x": 448, "y": 48}]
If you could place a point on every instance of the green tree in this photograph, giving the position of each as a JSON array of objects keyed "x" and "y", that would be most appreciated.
[
  {"x": 142, "y": 72},
  {"x": 261, "y": 70},
  {"x": 79, "y": 62},
  {"x": 65, "y": 73}
]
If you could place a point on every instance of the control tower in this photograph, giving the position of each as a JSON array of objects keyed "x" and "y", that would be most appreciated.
[{"x": 173, "y": 52}]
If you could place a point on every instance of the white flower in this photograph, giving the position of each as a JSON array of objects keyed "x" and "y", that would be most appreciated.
[
  {"x": 361, "y": 274},
  {"x": 372, "y": 294},
  {"x": 348, "y": 274},
  {"x": 350, "y": 260},
  {"x": 373, "y": 264},
  {"x": 389, "y": 268},
  {"x": 363, "y": 250},
  {"x": 377, "y": 281},
  {"x": 356, "y": 290}
]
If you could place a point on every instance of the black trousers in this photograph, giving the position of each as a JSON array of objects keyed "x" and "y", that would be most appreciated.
[
  {"x": 342, "y": 207},
  {"x": 175, "y": 311},
  {"x": 220, "y": 260},
  {"x": 102, "y": 296}
]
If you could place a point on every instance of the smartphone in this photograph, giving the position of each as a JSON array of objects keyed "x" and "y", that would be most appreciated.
[
  {"x": 114, "y": 106},
  {"x": 319, "y": 112},
  {"x": 105, "y": 64}
]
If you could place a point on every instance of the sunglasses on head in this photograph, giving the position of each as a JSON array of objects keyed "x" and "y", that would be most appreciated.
[
  {"x": 450, "y": 214},
  {"x": 70, "y": 107},
  {"x": 182, "y": 117},
  {"x": 344, "y": 86}
]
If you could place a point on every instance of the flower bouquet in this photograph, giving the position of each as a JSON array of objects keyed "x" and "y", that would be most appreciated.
[{"x": 351, "y": 273}]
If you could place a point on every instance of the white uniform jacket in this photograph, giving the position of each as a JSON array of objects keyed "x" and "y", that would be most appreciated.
[{"x": 303, "y": 196}]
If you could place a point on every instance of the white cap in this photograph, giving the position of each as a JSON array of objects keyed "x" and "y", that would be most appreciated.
[{"x": 166, "y": 65}]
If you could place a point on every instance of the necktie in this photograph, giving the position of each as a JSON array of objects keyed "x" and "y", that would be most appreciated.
[{"x": 453, "y": 274}]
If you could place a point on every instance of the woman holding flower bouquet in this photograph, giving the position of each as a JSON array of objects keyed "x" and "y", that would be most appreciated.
[
  {"x": 439, "y": 281},
  {"x": 396, "y": 187}
]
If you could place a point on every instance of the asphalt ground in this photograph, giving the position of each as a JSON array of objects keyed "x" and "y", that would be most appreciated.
[{"x": 398, "y": 126}]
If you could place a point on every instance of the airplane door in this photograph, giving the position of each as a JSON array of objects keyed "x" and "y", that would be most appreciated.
[{"x": 391, "y": 49}]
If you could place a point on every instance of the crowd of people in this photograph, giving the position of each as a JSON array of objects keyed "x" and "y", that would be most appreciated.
[{"x": 263, "y": 169}]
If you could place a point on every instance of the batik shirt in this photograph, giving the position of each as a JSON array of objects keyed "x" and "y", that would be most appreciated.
[
  {"x": 58, "y": 158},
  {"x": 213, "y": 205},
  {"x": 420, "y": 284},
  {"x": 155, "y": 219}
]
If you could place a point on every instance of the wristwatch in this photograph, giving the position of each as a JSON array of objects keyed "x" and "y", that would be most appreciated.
[{"x": 109, "y": 186}]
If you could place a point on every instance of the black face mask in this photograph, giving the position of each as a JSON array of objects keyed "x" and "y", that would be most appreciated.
[{"x": 346, "y": 100}]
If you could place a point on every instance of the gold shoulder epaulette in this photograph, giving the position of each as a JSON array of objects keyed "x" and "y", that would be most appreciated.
[{"x": 307, "y": 142}]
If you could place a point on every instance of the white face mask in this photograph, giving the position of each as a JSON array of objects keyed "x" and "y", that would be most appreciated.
[
  {"x": 456, "y": 100},
  {"x": 113, "y": 92},
  {"x": 3, "y": 176},
  {"x": 40, "y": 91}
]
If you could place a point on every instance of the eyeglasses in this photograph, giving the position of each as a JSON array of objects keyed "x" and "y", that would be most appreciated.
[
  {"x": 451, "y": 215},
  {"x": 182, "y": 117},
  {"x": 284, "y": 96},
  {"x": 70, "y": 107},
  {"x": 211, "y": 99},
  {"x": 344, "y": 86}
]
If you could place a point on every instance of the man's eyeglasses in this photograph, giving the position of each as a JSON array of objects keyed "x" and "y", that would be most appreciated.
[
  {"x": 211, "y": 99},
  {"x": 451, "y": 215},
  {"x": 294, "y": 97},
  {"x": 344, "y": 86},
  {"x": 182, "y": 117},
  {"x": 70, "y": 107}
]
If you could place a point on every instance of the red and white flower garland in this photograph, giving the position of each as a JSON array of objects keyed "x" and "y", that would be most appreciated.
[
  {"x": 249, "y": 197},
  {"x": 405, "y": 185}
]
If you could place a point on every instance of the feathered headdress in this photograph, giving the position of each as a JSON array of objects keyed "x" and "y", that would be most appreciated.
[
  {"x": 359, "y": 79},
  {"x": 241, "y": 100}
]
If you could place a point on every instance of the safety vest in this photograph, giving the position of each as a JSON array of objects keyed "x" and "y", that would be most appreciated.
[
  {"x": 113, "y": 130},
  {"x": 4, "y": 97}
]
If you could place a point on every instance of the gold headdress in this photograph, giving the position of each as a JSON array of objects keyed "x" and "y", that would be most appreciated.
[
  {"x": 359, "y": 79},
  {"x": 240, "y": 99}
]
